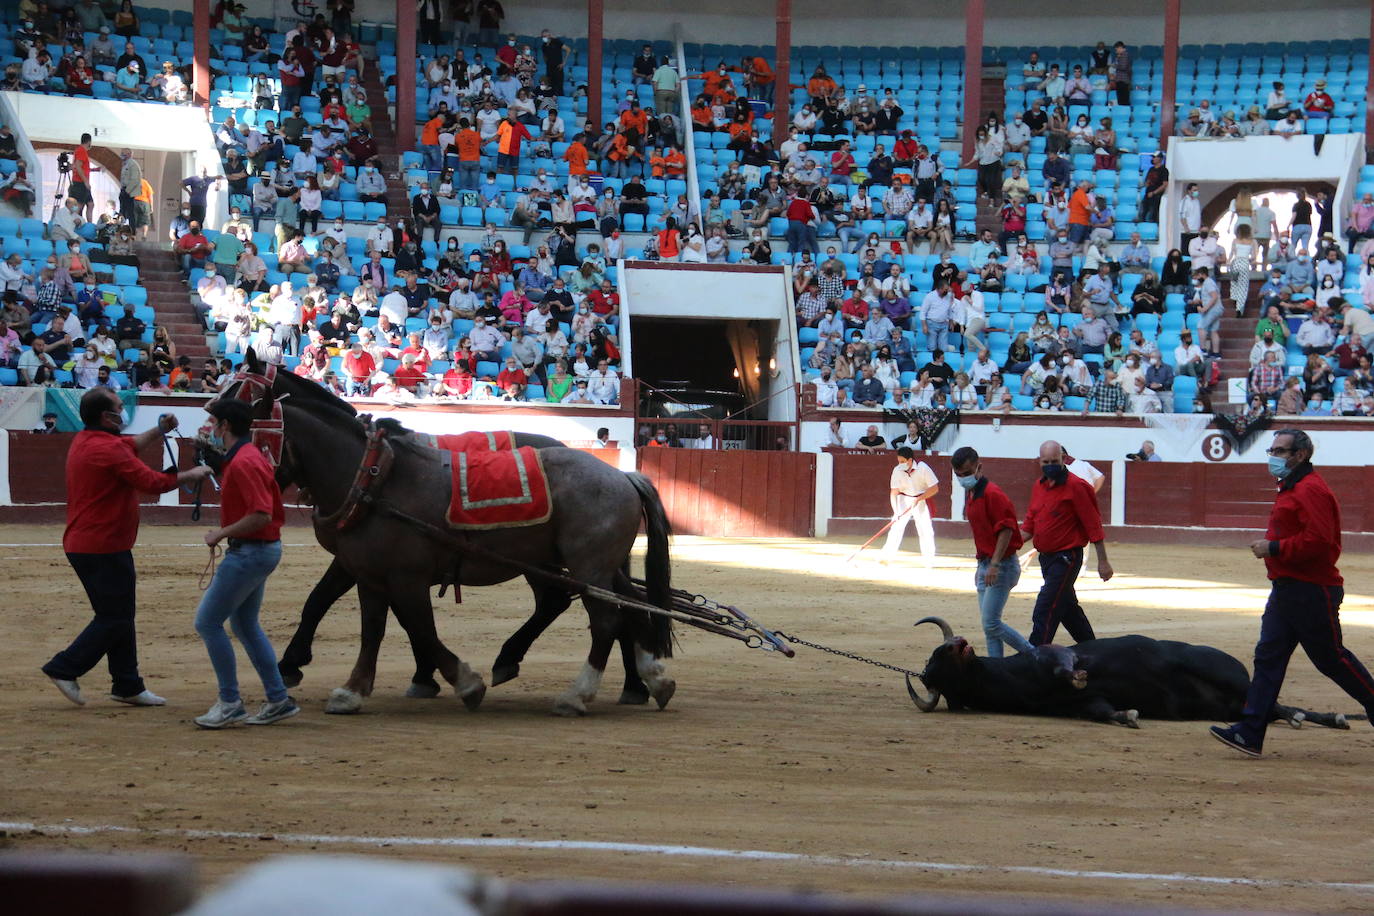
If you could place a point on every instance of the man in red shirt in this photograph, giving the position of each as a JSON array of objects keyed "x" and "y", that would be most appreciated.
[
  {"x": 511, "y": 380},
  {"x": 801, "y": 225},
  {"x": 104, "y": 478},
  {"x": 251, "y": 516},
  {"x": 359, "y": 365},
  {"x": 80, "y": 187},
  {"x": 996, "y": 539},
  {"x": 194, "y": 248},
  {"x": 409, "y": 375},
  {"x": 1063, "y": 518},
  {"x": 1299, "y": 549}
]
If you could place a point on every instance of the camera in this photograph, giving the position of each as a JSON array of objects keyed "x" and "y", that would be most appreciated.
[{"x": 64, "y": 163}]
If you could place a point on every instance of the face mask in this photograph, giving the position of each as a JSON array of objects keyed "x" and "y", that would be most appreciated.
[
  {"x": 1279, "y": 467},
  {"x": 969, "y": 482},
  {"x": 1055, "y": 473},
  {"x": 123, "y": 415}
]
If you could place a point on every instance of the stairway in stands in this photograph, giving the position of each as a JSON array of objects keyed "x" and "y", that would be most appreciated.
[
  {"x": 384, "y": 132},
  {"x": 992, "y": 96},
  {"x": 1238, "y": 334},
  {"x": 160, "y": 275}
]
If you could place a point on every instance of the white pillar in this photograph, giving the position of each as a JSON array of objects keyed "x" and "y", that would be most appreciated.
[
  {"x": 825, "y": 492},
  {"x": 1118, "y": 510}
]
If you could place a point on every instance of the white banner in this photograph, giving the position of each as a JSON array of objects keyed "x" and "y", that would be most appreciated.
[{"x": 21, "y": 408}]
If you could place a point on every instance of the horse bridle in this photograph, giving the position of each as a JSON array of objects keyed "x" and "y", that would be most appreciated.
[{"x": 268, "y": 432}]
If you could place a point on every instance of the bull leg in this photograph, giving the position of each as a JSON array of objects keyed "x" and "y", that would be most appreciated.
[
  {"x": 333, "y": 585},
  {"x": 1099, "y": 710},
  {"x": 349, "y": 697},
  {"x": 1290, "y": 714},
  {"x": 1066, "y": 665},
  {"x": 549, "y": 603},
  {"x": 1324, "y": 719}
]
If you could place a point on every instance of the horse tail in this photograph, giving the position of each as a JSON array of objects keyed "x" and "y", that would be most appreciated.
[{"x": 657, "y": 565}]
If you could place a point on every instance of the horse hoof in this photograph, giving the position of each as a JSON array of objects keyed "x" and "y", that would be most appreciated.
[
  {"x": 343, "y": 701},
  {"x": 1132, "y": 719},
  {"x": 1340, "y": 722},
  {"x": 1296, "y": 719},
  {"x": 569, "y": 707},
  {"x": 502, "y": 673},
  {"x": 292, "y": 678},
  {"x": 418, "y": 691},
  {"x": 665, "y": 692},
  {"x": 633, "y": 697},
  {"x": 473, "y": 698}
]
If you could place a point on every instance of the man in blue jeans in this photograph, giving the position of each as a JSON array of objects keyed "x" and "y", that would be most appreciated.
[
  {"x": 996, "y": 539},
  {"x": 251, "y": 516}
]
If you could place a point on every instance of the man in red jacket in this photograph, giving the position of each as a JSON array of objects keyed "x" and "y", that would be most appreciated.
[
  {"x": 1063, "y": 518},
  {"x": 104, "y": 478},
  {"x": 1299, "y": 549}
]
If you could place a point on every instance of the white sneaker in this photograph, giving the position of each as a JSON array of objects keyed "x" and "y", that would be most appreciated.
[
  {"x": 222, "y": 714},
  {"x": 70, "y": 689},
  {"x": 274, "y": 712},
  {"x": 146, "y": 698}
]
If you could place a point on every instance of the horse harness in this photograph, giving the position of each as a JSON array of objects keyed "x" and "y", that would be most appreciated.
[{"x": 268, "y": 434}]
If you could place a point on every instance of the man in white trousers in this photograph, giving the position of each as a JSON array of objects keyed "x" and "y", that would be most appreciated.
[{"x": 910, "y": 490}]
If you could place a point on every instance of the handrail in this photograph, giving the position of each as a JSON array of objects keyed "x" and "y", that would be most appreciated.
[{"x": 689, "y": 140}]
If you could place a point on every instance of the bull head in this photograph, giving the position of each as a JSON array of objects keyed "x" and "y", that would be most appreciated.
[{"x": 951, "y": 652}]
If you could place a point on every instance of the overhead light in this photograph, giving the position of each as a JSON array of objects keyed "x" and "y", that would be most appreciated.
[{"x": 736, "y": 372}]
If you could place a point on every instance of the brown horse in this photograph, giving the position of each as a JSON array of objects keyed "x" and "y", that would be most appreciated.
[{"x": 596, "y": 513}]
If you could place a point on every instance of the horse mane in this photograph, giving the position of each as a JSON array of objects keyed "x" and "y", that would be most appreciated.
[{"x": 316, "y": 395}]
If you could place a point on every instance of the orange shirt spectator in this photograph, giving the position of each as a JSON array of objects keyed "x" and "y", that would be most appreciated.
[
  {"x": 429, "y": 134},
  {"x": 469, "y": 143},
  {"x": 576, "y": 157},
  {"x": 668, "y": 244},
  {"x": 656, "y": 165},
  {"x": 760, "y": 72},
  {"x": 1080, "y": 207},
  {"x": 740, "y": 128},
  {"x": 701, "y": 116},
  {"x": 675, "y": 163},
  {"x": 620, "y": 148},
  {"x": 820, "y": 86},
  {"x": 635, "y": 119},
  {"x": 509, "y": 136}
]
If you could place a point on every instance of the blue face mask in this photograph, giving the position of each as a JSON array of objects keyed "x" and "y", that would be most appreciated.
[
  {"x": 1055, "y": 473},
  {"x": 969, "y": 482},
  {"x": 1279, "y": 467}
]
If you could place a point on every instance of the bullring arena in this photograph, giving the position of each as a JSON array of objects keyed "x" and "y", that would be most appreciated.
[
  {"x": 726, "y": 269},
  {"x": 812, "y": 773}
]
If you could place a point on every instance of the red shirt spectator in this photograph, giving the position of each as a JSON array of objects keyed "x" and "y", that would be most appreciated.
[
  {"x": 248, "y": 485},
  {"x": 800, "y": 209},
  {"x": 457, "y": 381},
  {"x": 1063, "y": 516},
  {"x": 104, "y": 477},
  {"x": 421, "y": 357},
  {"x": 408, "y": 376},
  {"x": 194, "y": 243},
  {"x": 359, "y": 364},
  {"x": 1304, "y": 530},
  {"x": 508, "y": 377},
  {"x": 603, "y": 303}
]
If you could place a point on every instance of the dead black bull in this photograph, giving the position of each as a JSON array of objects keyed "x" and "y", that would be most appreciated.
[{"x": 1120, "y": 679}]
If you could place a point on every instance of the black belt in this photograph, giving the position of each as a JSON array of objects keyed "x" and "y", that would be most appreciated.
[{"x": 235, "y": 543}]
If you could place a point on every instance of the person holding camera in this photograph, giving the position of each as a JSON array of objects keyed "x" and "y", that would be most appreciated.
[
  {"x": 1146, "y": 453},
  {"x": 104, "y": 479}
]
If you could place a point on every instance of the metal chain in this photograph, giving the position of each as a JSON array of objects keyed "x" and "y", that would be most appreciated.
[{"x": 843, "y": 654}]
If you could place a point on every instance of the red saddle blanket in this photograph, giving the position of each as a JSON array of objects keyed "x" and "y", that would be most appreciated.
[{"x": 495, "y": 485}]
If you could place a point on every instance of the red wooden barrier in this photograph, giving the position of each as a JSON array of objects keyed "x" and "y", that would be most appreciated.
[
  {"x": 1232, "y": 495},
  {"x": 861, "y": 482},
  {"x": 38, "y": 466},
  {"x": 734, "y": 493}
]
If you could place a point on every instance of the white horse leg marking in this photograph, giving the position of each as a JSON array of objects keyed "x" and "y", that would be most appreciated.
[
  {"x": 655, "y": 675},
  {"x": 343, "y": 701},
  {"x": 583, "y": 690}
]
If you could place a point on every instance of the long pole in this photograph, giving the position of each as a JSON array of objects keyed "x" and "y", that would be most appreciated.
[
  {"x": 782, "y": 73},
  {"x": 1169, "y": 99},
  {"x": 894, "y": 520},
  {"x": 200, "y": 47},
  {"x": 973, "y": 72},
  {"x": 596, "y": 27},
  {"x": 405, "y": 77}
]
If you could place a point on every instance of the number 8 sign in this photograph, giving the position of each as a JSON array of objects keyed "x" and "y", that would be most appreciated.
[{"x": 1216, "y": 447}]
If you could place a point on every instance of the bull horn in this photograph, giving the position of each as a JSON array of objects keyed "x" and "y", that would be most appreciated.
[
  {"x": 926, "y": 703},
  {"x": 945, "y": 628}
]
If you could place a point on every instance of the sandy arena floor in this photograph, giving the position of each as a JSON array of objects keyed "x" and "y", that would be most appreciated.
[{"x": 817, "y": 757}]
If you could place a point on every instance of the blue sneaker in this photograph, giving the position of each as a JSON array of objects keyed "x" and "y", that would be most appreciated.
[{"x": 1231, "y": 737}]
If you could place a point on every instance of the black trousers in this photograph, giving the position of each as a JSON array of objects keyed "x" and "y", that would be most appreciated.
[
  {"x": 1308, "y": 615},
  {"x": 1058, "y": 602},
  {"x": 109, "y": 580}
]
